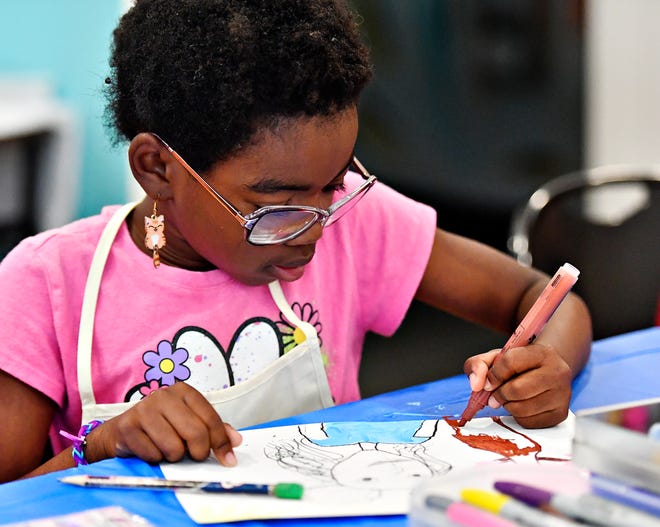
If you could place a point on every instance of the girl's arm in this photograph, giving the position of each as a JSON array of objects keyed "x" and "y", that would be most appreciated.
[
  {"x": 169, "y": 424},
  {"x": 27, "y": 415},
  {"x": 480, "y": 284}
]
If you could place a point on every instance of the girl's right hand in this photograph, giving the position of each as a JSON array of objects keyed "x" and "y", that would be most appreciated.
[{"x": 168, "y": 424}]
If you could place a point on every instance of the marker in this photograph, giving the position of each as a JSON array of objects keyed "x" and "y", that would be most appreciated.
[
  {"x": 529, "y": 328},
  {"x": 512, "y": 510},
  {"x": 466, "y": 515},
  {"x": 293, "y": 491},
  {"x": 585, "y": 507},
  {"x": 636, "y": 497}
]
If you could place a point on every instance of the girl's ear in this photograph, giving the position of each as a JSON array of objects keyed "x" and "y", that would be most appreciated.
[{"x": 149, "y": 159}]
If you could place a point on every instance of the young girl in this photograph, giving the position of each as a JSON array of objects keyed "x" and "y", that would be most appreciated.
[{"x": 231, "y": 293}]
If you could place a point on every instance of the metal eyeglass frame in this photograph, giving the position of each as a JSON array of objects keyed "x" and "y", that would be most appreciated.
[{"x": 248, "y": 222}]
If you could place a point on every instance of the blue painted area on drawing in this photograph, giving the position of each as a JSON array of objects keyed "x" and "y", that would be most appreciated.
[{"x": 363, "y": 432}]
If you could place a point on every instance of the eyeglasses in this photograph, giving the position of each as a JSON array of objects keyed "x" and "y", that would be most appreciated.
[{"x": 275, "y": 224}]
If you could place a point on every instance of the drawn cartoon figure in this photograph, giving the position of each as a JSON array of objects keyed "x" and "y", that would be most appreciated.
[
  {"x": 367, "y": 456},
  {"x": 367, "y": 468},
  {"x": 380, "y": 457}
]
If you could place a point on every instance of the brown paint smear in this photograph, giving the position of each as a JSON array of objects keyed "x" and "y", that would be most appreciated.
[{"x": 499, "y": 445}]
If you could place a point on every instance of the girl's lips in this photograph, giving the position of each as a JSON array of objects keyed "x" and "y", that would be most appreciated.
[
  {"x": 288, "y": 274},
  {"x": 293, "y": 269}
]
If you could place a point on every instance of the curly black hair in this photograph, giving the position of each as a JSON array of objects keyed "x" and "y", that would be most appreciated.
[{"x": 207, "y": 75}]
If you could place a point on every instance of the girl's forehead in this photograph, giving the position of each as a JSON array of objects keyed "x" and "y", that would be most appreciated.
[
  {"x": 299, "y": 153},
  {"x": 295, "y": 134}
]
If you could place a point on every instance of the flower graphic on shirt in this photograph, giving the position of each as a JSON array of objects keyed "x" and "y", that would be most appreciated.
[
  {"x": 166, "y": 364},
  {"x": 291, "y": 335}
]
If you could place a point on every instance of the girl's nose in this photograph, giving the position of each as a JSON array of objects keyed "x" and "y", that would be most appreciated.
[{"x": 309, "y": 237}]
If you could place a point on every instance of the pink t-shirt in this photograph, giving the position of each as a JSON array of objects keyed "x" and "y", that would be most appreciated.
[{"x": 363, "y": 277}]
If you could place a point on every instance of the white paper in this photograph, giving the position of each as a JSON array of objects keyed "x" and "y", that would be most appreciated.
[{"x": 358, "y": 468}]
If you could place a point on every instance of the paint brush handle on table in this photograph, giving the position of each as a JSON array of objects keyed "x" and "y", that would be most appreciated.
[
  {"x": 529, "y": 328},
  {"x": 279, "y": 490}
]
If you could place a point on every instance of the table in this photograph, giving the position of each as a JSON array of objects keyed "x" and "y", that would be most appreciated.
[{"x": 621, "y": 369}]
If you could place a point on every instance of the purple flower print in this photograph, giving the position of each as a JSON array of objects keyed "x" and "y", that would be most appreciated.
[{"x": 166, "y": 364}]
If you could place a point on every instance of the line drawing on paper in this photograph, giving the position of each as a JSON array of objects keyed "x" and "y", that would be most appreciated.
[
  {"x": 362, "y": 468},
  {"x": 386, "y": 456},
  {"x": 370, "y": 456}
]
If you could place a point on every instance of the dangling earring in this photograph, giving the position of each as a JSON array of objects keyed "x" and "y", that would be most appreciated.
[{"x": 154, "y": 228}]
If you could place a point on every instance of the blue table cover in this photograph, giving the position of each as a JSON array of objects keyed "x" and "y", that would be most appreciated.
[{"x": 621, "y": 369}]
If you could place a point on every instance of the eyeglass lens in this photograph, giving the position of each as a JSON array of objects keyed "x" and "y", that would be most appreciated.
[{"x": 277, "y": 226}]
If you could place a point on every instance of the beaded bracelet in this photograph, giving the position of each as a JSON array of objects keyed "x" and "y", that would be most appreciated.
[{"x": 80, "y": 441}]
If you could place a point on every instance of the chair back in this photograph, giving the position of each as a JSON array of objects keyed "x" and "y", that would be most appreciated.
[{"x": 606, "y": 222}]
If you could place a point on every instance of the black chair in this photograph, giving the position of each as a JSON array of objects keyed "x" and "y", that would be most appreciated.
[{"x": 606, "y": 222}]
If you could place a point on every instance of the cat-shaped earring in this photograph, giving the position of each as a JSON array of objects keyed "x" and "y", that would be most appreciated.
[{"x": 154, "y": 228}]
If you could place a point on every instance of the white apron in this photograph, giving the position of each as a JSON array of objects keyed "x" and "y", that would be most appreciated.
[{"x": 294, "y": 383}]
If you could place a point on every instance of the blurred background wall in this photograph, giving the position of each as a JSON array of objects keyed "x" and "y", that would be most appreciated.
[
  {"x": 474, "y": 104},
  {"x": 53, "y": 60}
]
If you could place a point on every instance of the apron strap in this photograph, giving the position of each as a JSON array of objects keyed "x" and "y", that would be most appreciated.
[
  {"x": 90, "y": 298},
  {"x": 91, "y": 294},
  {"x": 280, "y": 300}
]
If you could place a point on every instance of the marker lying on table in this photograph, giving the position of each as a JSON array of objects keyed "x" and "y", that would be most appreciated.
[
  {"x": 529, "y": 328},
  {"x": 512, "y": 509},
  {"x": 292, "y": 491},
  {"x": 466, "y": 515},
  {"x": 586, "y": 507},
  {"x": 619, "y": 491}
]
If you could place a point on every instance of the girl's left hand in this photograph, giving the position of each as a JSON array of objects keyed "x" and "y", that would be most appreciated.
[{"x": 533, "y": 383}]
